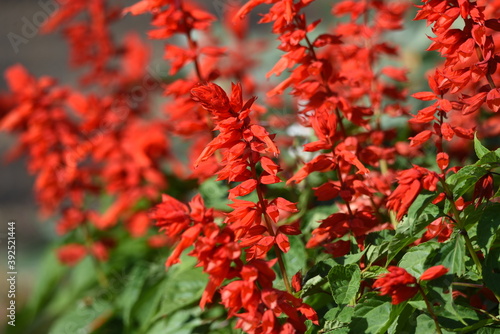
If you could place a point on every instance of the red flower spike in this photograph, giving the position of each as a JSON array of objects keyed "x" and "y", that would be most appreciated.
[
  {"x": 434, "y": 272},
  {"x": 212, "y": 98}
]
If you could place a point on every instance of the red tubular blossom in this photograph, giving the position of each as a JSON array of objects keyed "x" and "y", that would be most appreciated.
[
  {"x": 411, "y": 182},
  {"x": 434, "y": 272},
  {"x": 398, "y": 284},
  {"x": 483, "y": 189}
]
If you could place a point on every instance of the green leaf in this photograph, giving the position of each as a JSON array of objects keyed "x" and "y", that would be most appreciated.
[
  {"x": 337, "y": 319},
  {"x": 215, "y": 194},
  {"x": 341, "y": 314},
  {"x": 405, "y": 322},
  {"x": 344, "y": 283},
  {"x": 425, "y": 324},
  {"x": 421, "y": 213},
  {"x": 488, "y": 330},
  {"x": 491, "y": 271},
  {"x": 473, "y": 326},
  {"x": 46, "y": 283},
  {"x": 465, "y": 179},
  {"x": 488, "y": 227},
  {"x": 418, "y": 304},
  {"x": 479, "y": 148},
  {"x": 132, "y": 291},
  {"x": 415, "y": 258},
  {"x": 452, "y": 255},
  {"x": 312, "y": 285},
  {"x": 374, "y": 272},
  {"x": 489, "y": 160},
  {"x": 181, "y": 289},
  {"x": 374, "y": 316},
  {"x": 319, "y": 269},
  {"x": 296, "y": 258},
  {"x": 79, "y": 318}
]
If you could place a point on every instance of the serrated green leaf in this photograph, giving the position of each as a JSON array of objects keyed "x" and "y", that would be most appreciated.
[
  {"x": 418, "y": 304},
  {"x": 373, "y": 272},
  {"x": 132, "y": 290},
  {"x": 319, "y": 269},
  {"x": 489, "y": 160},
  {"x": 374, "y": 316},
  {"x": 415, "y": 258},
  {"x": 479, "y": 148},
  {"x": 215, "y": 194},
  {"x": 452, "y": 255},
  {"x": 488, "y": 227},
  {"x": 425, "y": 325},
  {"x": 420, "y": 214},
  {"x": 491, "y": 271},
  {"x": 488, "y": 330},
  {"x": 344, "y": 283},
  {"x": 312, "y": 285},
  {"x": 296, "y": 257},
  {"x": 465, "y": 179},
  {"x": 341, "y": 314},
  {"x": 79, "y": 318}
]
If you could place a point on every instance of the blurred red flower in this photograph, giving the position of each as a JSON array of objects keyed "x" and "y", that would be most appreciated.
[{"x": 398, "y": 283}]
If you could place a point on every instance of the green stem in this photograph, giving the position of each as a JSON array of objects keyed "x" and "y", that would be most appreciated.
[
  {"x": 471, "y": 250},
  {"x": 461, "y": 225},
  {"x": 101, "y": 276},
  {"x": 429, "y": 308}
]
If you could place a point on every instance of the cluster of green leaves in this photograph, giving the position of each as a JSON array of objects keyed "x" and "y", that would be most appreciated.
[{"x": 342, "y": 293}]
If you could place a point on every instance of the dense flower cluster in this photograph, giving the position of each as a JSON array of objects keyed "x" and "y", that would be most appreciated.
[
  {"x": 86, "y": 144},
  {"x": 462, "y": 86},
  {"x": 244, "y": 145}
]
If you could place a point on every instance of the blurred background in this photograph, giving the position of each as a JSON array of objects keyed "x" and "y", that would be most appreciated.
[{"x": 41, "y": 54}]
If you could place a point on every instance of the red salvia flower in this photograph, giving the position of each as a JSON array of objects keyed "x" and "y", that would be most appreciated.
[{"x": 398, "y": 284}]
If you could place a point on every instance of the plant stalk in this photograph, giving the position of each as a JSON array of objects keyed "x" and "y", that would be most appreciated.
[{"x": 429, "y": 308}]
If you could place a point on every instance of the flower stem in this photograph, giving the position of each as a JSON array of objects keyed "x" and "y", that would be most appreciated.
[
  {"x": 101, "y": 276},
  {"x": 270, "y": 229},
  {"x": 471, "y": 250},
  {"x": 460, "y": 225},
  {"x": 429, "y": 308}
]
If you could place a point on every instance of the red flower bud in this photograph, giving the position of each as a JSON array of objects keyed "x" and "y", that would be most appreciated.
[
  {"x": 484, "y": 188},
  {"x": 433, "y": 273}
]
